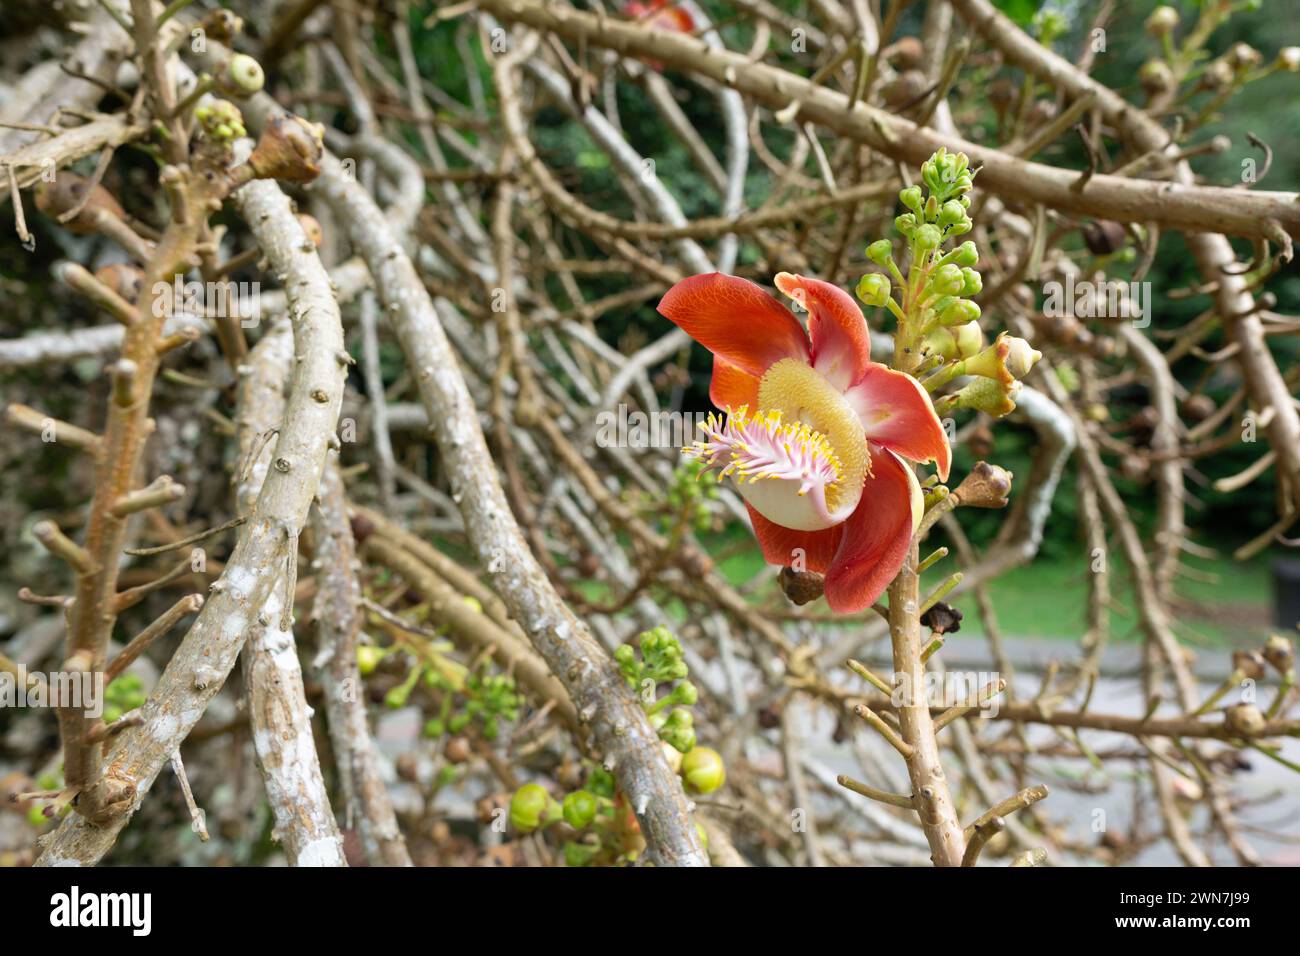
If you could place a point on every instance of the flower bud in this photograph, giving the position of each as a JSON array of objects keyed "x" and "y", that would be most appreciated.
[
  {"x": 1249, "y": 664},
  {"x": 290, "y": 149},
  {"x": 702, "y": 770},
  {"x": 1103, "y": 237},
  {"x": 1244, "y": 719},
  {"x": 531, "y": 807},
  {"x": 242, "y": 77},
  {"x": 960, "y": 313},
  {"x": 873, "y": 289},
  {"x": 1280, "y": 653},
  {"x": 801, "y": 587},
  {"x": 311, "y": 226},
  {"x": 906, "y": 224},
  {"x": 947, "y": 279},
  {"x": 989, "y": 396},
  {"x": 579, "y": 809},
  {"x": 986, "y": 486},
  {"x": 969, "y": 339},
  {"x": 1162, "y": 22},
  {"x": 966, "y": 254},
  {"x": 1243, "y": 56},
  {"x": 880, "y": 251},
  {"x": 972, "y": 283},
  {"x": 1288, "y": 58},
  {"x": 1156, "y": 77},
  {"x": 952, "y": 212},
  {"x": 927, "y": 238},
  {"x": 911, "y": 198},
  {"x": 1021, "y": 356}
]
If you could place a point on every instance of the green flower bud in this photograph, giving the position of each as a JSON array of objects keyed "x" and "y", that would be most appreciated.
[
  {"x": 952, "y": 212},
  {"x": 966, "y": 254},
  {"x": 969, "y": 339},
  {"x": 880, "y": 251},
  {"x": 579, "y": 809},
  {"x": 989, "y": 395},
  {"x": 397, "y": 697},
  {"x": 927, "y": 238},
  {"x": 243, "y": 76},
  {"x": 579, "y": 854},
  {"x": 947, "y": 279},
  {"x": 687, "y": 693},
  {"x": 531, "y": 807},
  {"x": 702, "y": 770},
  {"x": 36, "y": 817},
  {"x": 905, "y": 224},
  {"x": 873, "y": 289},
  {"x": 911, "y": 198},
  {"x": 960, "y": 312},
  {"x": 972, "y": 282},
  {"x": 434, "y": 728}
]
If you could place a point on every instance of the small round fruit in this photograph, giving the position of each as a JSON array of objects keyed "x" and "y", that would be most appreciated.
[
  {"x": 529, "y": 806},
  {"x": 702, "y": 770},
  {"x": 579, "y": 809}
]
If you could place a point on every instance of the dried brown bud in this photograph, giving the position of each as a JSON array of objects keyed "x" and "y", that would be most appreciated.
[
  {"x": 1042, "y": 112},
  {"x": 1103, "y": 236},
  {"x": 362, "y": 528},
  {"x": 125, "y": 280},
  {"x": 457, "y": 750},
  {"x": 1280, "y": 652},
  {"x": 942, "y": 619},
  {"x": 905, "y": 53},
  {"x": 905, "y": 89},
  {"x": 987, "y": 486},
  {"x": 66, "y": 191},
  {"x": 311, "y": 226},
  {"x": 289, "y": 149},
  {"x": 801, "y": 587},
  {"x": 222, "y": 25},
  {"x": 770, "y": 716},
  {"x": 407, "y": 766},
  {"x": 1135, "y": 468},
  {"x": 1248, "y": 663},
  {"x": 1244, "y": 719},
  {"x": 1197, "y": 408},
  {"x": 980, "y": 441}
]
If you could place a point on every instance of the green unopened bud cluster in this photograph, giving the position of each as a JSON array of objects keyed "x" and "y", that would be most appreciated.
[
  {"x": 688, "y": 498},
  {"x": 661, "y": 662},
  {"x": 220, "y": 121}
]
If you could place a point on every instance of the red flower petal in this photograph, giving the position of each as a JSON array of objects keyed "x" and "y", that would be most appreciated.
[
  {"x": 841, "y": 342},
  {"x": 897, "y": 413},
  {"x": 731, "y": 387},
  {"x": 735, "y": 319},
  {"x": 813, "y": 550},
  {"x": 876, "y": 536}
]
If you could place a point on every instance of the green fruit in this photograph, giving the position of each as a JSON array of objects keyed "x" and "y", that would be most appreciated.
[
  {"x": 703, "y": 771},
  {"x": 579, "y": 809},
  {"x": 530, "y": 808},
  {"x": 368, "y": 658}
]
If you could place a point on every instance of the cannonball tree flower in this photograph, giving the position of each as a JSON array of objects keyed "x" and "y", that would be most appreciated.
[
  {"x": 660, "y": 14},
  {"x": 815, "y": 433}
]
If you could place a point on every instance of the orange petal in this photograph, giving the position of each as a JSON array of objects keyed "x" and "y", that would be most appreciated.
[
  {"x": 841, "y": 341},
  {"x": 876, "y": 536},
  {"x": 731, "y": 387},
  {"x": 897, "y": 413},
  {"x": 802, "y": 550},
  {"x": 736, "y": 320}
]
